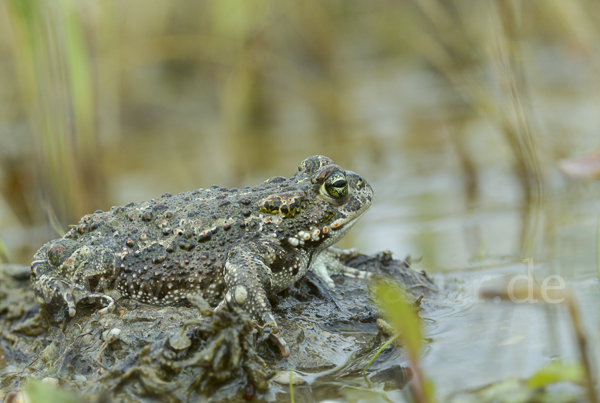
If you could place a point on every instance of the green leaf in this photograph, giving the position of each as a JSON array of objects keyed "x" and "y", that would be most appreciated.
[
  {"x": 555, "y": 372},
  {"x": 39, "y": 392},
  {"x": 402, "y": 316}
]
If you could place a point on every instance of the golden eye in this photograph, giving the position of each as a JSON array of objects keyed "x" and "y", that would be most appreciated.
[{"x": 336, "y": 185}]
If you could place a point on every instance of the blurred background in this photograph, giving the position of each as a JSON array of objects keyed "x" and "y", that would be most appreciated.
[{"x": 458, "y": 112}]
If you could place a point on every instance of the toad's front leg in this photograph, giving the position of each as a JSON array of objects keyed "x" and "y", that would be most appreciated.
[
  {"x": 331, "y": 262},
  {"x": 248, "y": 280}
]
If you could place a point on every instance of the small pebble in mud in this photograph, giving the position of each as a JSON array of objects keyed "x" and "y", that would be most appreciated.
[
  {"x": 283, "y": 377},
  {"x": 53, "y": 382},
  {"x": 249, "y": 395},
  {"x": 299, "y": 335},
  {"x": 111, "y": 334},
  {"x": 50, "y": 352},
  {"x": 179, "y": 341},
  {"x": 17, "y": 397},
  {"x": 79, "y": 378}
]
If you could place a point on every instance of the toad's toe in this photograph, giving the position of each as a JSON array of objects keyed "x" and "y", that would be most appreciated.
[{"x": 279, "y": 342}]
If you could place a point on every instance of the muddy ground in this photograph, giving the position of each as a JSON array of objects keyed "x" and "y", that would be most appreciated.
[{"x": 183, "y": 353}]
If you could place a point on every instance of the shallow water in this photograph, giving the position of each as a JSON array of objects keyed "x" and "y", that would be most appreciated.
[{"x": 468, "y": 250}]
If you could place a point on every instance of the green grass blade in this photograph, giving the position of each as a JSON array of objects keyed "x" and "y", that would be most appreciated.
[
  {"x": 3, "y": 255},
  {"x": 556, "y": 372},
  {"x": 379, "y": 351},
  {"x": 402, "y": 315},
  {"x": 598, "y": 246},
  {"x": 291, "y": 386}
]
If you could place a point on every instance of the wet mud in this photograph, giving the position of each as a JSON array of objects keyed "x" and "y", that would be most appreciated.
[{"x": 173, "y": 354}]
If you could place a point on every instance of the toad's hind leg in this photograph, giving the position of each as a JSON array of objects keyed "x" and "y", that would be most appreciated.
[
  {"x": 50, "y": 290},
  {"x": 65, "y": 273},
  {"x": 248, "y": 279}
]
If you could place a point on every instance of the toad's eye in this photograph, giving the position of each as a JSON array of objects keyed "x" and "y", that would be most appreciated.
[{"x": 336, "y": 185}]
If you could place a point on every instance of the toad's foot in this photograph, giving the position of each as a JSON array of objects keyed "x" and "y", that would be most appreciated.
[
  {"x": 268, "y": 323},
  {"x": 329, "y": 263},
  {"x": 106, "y": 300},
  {"x": 276, "y": 338},
  {"x": 279, "y": 342}
]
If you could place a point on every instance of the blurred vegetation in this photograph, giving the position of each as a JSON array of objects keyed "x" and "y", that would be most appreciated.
[
  {"x": 397, "y": 307},
  {"x": 535, "y": 389},
  {"x": 106, "y": 101},
  {"x": 38, "y": 392}
]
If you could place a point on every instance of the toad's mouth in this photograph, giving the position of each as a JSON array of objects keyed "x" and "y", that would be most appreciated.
[
  {"x": 343, "y": 227},
  {"x": 346, "y": 223}
]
